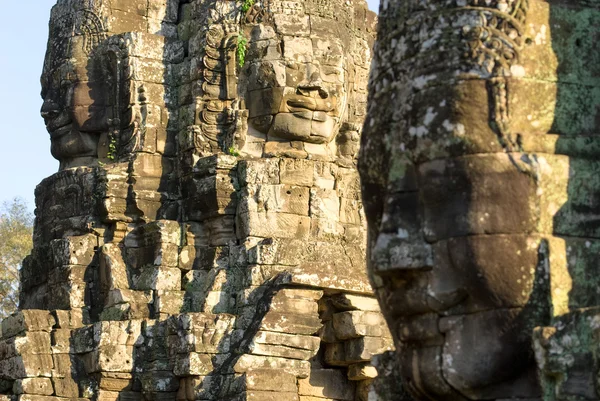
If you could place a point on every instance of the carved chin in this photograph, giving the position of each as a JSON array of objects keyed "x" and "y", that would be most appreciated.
[
  {"x": 73, "y": 144},
  {"x": 306, "y": 126}
]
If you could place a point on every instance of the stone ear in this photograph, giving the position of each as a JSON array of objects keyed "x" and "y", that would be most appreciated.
[{"x": 114, "y": 66}]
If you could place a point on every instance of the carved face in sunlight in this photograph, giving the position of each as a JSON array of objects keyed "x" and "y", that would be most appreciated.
[
  {"x": 75, "y": 102},
  {"x": 297, "y": 85}
]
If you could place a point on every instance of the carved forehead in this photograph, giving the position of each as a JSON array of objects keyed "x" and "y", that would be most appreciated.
[{"x": 76, "y": 29}]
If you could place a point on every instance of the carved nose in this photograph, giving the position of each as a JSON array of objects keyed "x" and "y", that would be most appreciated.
[
  {"x": 313, "y": 82},
  {"x": 49, "y": 110}
]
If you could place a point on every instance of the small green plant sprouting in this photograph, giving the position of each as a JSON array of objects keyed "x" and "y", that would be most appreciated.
[
  {"x": 246, "y": 4},
  {"x": 112, "y": 148},
  {"x": 242, "y": 49},
  {"x": 233, "y": 151}
]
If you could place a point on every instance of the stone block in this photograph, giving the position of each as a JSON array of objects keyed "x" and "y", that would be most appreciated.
[
  {"x": 75, "y": 250},
  {"x": 65, "y": 386},
  {"x": 354, "y": 324},
  {"x": 324, "y": 204},
  {"x": 29, "y": 365},
  {"x": 61, "y": 341},
  {"x": 327, "y": 333},
  {"x": 222, "y": 231},
  {"x": 67, "y": 274},
  {"x": 296, "y": 172},
  {"x": 210, "y": 196},
  {"x": 205, "y": 387},
  {"x": 292, "y": 24},
  {"x": 362, "y": 349},
  {"x": 104, "y": 334},
  {"x": 346, "y": 302},
  {"x": 363, "y": 389},
  {"x": 106, "y": 395},
  {"x": 27, "y": 320},
  {"x": 33, "y": 385},
  {"x": 291, "y": 366},
  {"x": 126, "y": 296},
  {"x": 68, "y": 319},
  {"x": 62, "y": 365},
  {"x": 293, "y": 305},
  {"x": 326, "y": 229},
  {"x": 278, "y": 251},
  {"x": 203, "y": 257},
  {"x": 159, "y": 254},
  {"x": 33, "y": 397},
  {"x": 361, "y": 371},
  {"x": 274, "y": 198},
  {"x": 193, "y": 364},
  {"x": 272, "y": 224},
  {"x": 335, "y": 354},
  {"x": 113, "y": 358},
  {"x": 155, "y": 232},
  {"x": 310, "y": 343},
  {"x": 387, "y": 384},
  {"x": 351, "y": 212},
  {"x": 269, "y": 380},
  {"x": 156, "y": 277},
  {"x": 265, "y": 171},
  {"x": 169, "y": 302},
  {"x": 271, "y": 396},
  {"x": 291, "y": 323},
  {"x": 347, "y": 184},
  {"x": 31, "y": 343},
  {"x": 159, "y": 382},
  {"x": 327, "y": 383},
  {"x": 280, "y": 351}
]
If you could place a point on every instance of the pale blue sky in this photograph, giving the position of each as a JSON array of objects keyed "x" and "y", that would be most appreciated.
[{"x": 25, "y": 149}]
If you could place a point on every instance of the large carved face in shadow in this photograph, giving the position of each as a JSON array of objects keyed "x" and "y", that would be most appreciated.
[
  {"x": 73, "y": 88},
  {"x": 459, "y": 216},
  {"x": 298, "y": 75}
]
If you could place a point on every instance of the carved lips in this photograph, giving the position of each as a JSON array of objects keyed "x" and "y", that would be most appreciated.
[{"x": 309, "y": 103}]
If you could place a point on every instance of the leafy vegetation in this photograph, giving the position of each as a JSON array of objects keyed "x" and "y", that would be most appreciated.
[
  {"x": 247, "y": 4},
  {"x": 242, "y": 49},
  {"x": 112, "y": 147},
  {"x": 16, "y": 227}
]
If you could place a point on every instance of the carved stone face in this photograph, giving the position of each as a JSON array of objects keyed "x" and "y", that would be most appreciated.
[
  {"x": 73, "y": 91},
  {"x": 297, "y": 85},
  {"x": 460, "y": 212}
]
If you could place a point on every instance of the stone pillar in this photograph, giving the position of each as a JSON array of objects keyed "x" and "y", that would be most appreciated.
[{"x": 478, "y": 173}]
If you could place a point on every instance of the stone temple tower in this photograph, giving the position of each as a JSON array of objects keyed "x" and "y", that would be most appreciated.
[{"x": 204, "y": 237}]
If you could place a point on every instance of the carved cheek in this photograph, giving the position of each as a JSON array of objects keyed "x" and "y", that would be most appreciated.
[
  {"x": 89, "y": 118},
  {"x": 88, "y": 106}
]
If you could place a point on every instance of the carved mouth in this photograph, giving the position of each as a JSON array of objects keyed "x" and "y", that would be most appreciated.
[
  {"x": 318, "y": 116},
  {"x": 60, "y": 131},
  {"x": 309, "y": 103},
  {"x": 57, "y": 122}
]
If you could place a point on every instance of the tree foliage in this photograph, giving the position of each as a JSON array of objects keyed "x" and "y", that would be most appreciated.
[{"x": 16, "y": 226}]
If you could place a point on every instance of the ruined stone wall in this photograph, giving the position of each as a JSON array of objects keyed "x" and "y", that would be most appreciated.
[{"x": 204, "y": 238}]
